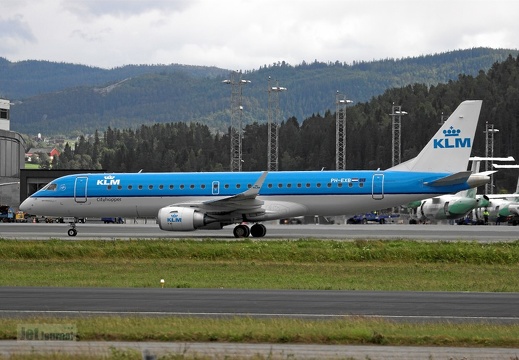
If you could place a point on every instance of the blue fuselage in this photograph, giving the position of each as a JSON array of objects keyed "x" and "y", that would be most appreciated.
[{"x": 312, "y": 192}]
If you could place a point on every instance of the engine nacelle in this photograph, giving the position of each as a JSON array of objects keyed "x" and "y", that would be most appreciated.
[{"x": 174, "y": 218}]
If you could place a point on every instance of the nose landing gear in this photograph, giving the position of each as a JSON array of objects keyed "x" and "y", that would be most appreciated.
[{"x": 72, "y": 231}]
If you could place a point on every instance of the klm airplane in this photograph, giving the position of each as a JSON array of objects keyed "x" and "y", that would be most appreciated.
[{"x": 212, "y": 200}]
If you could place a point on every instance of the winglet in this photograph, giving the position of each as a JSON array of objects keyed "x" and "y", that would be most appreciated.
[
  {"x": 249, "y": 194},
  {"x": 449, "y": 149},
  {"x": 255, "y": 189}
]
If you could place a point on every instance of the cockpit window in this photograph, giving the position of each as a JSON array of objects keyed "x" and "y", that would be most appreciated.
[{"x": 50, "y": 187}]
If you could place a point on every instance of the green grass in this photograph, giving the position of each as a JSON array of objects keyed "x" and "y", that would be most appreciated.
[
  {"x": 375, "y": 275},
  {"x": 32, "y": 166},
  {"x": 298, "y": 251},
  {"x": 360, "y": 331},
  {"x": 322, "y": 265}
]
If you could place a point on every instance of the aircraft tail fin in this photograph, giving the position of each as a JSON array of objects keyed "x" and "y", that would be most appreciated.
[{"x": 449, "y": 149}]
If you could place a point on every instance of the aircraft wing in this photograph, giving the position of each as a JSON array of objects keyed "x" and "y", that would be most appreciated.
[
  {"x": 503, "y": 196},
  {"x": 249, "y": 194},
  {"x": 244, "y": 201}
]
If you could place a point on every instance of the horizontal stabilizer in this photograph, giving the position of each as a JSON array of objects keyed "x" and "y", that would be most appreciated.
[
  {"x": 454, "y": 179},
  {"x": 498, "y": 166},
  {"x": 479, "y": 158}
]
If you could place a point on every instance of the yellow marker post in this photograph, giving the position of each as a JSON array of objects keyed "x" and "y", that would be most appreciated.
[{"x": 162, "y": 283}]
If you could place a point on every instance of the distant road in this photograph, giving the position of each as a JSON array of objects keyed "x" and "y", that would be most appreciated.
[{"x": 98, "y": 230}]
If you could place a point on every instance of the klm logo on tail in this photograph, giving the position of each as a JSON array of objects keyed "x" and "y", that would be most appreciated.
[{"x": 452, "y": 140}]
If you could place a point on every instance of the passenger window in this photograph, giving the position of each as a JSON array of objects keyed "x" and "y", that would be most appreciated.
[
  {"x": 119, "y": 187},
  {"x": 339, "y": 185},
  {"x": 307, "y": 185},
  {"x": 280, "y": 186},
  {"x": 182, "y": 186},
  {"x": 318, "y": 185},
  {"x": 350, "y": 184},
  {"x": 238, "y": 186},
  {"x": 140, "y": 187},
  {"x": 269, "y": 186},
  {"x": 130, "y": 187},
  {"x": 171, "y": 187},
  {"x": 150, "y": 187},
  {"x": 299, "y": 185},
  {"x": 361, "y": 184},
  {"x": 289, "y": 185},
  {"x": 226, "y": 186},
  {"x": 109, "y": 187},
  {"x": 161, "y": 186},
  {"x": 202, "y": 186},
  {"x": 191, "y": 186}
]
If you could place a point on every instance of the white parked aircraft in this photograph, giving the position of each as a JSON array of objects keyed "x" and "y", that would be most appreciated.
[{"x": 501, "y": 206}]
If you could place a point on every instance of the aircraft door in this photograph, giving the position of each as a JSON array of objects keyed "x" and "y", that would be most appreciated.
[
  {"x": 216, "y": 187},
  {"x": 446, "y": 208},
  {"x": 80, "y": 189},
  {"x": 377, "y": 190}
]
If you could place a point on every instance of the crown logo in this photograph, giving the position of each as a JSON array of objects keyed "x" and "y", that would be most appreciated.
[
  {"x": 452, "y": 132},
  {"x": 109, "y": 177}
]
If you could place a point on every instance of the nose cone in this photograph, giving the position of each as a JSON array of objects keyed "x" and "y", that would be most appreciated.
[{"x": 26, "y": 205}]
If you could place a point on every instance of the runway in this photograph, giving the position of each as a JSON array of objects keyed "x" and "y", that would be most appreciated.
[
  {"x": 98, "y": 230},
  {"x": 405, "y": 306}
]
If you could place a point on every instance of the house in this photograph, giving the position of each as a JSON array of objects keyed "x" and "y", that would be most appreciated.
[{"x": 36, "y": 151}]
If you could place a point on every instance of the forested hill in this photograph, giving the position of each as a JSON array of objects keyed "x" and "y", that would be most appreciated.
[
  {"x": 24, "y": 79},
  {"x": 133, "y": 95},
  {"x": 310, "y": 144}
]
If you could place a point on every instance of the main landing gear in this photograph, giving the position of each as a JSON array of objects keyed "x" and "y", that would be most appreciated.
[{"x": 243, "y": 231}]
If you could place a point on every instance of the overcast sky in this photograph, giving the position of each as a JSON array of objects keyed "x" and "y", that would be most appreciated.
[{"x": 246, "y": 34}]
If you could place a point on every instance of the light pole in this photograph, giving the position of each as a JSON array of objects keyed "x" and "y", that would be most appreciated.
[
  {"x": 396, "y": 115},
  {"x": 442, "y": 119},
  {"x": 273, "y": 126},
  {"x": 236, "y": 131},
  {"x": 489, "y": 152},
  {"x": 340, "y": 130}
]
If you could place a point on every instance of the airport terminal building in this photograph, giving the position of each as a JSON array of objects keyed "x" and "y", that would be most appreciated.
[{"x": 12, "y": 158}]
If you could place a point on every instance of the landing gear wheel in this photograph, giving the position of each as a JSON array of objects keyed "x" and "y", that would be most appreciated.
[
  {"x": 241, "y": 231},
  {"x": 72, "y": 231},
  {"x": 258, "y": 230}
]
